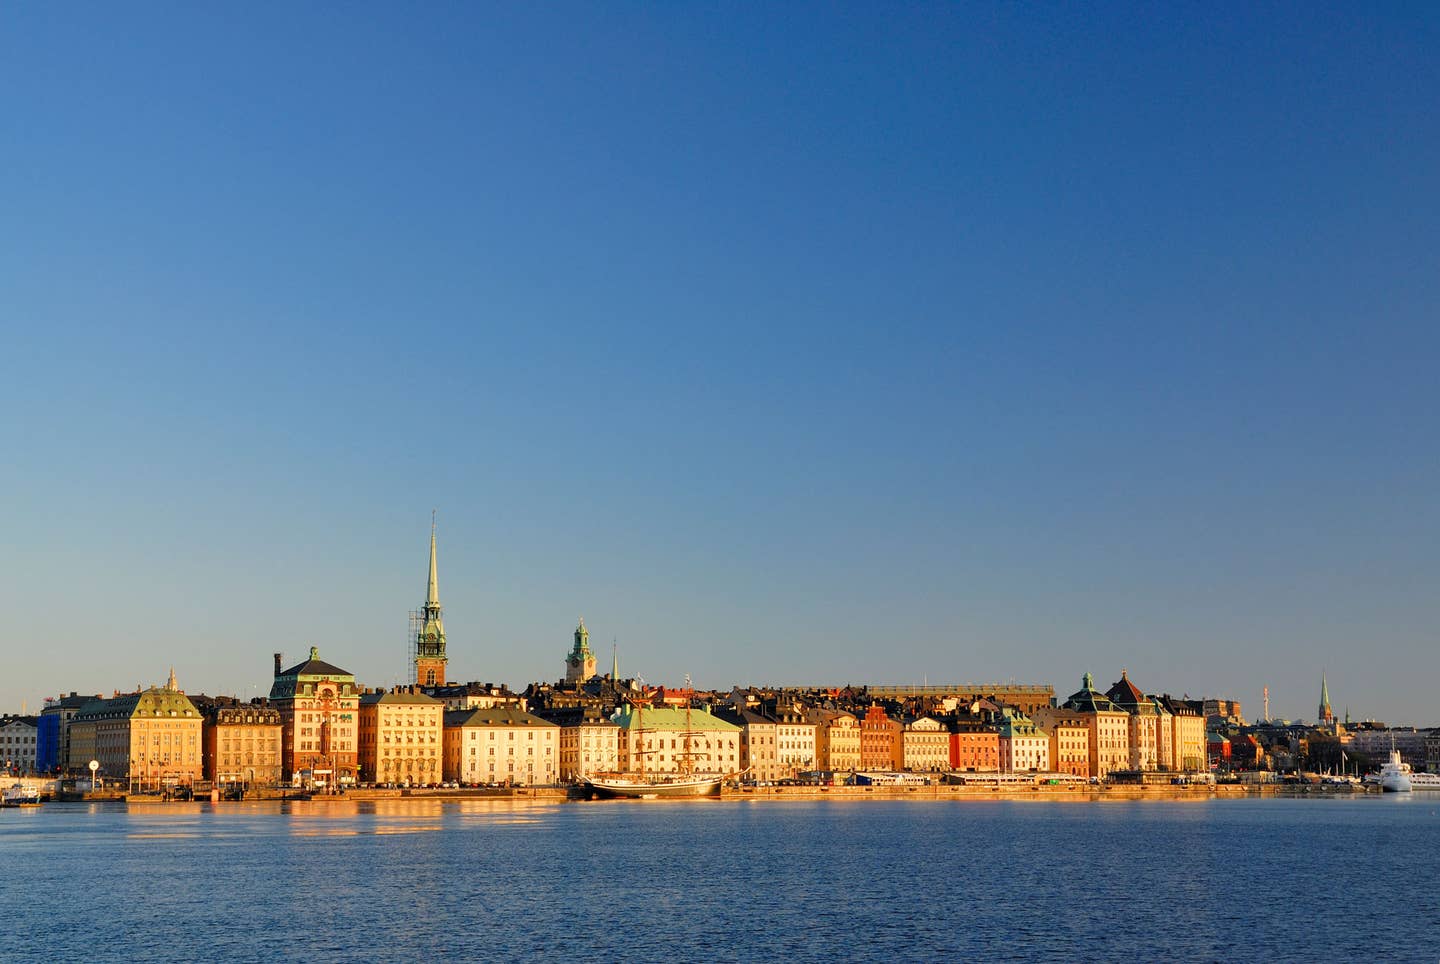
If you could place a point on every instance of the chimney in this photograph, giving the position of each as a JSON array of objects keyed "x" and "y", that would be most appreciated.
[{"x": 277, "y": 664}]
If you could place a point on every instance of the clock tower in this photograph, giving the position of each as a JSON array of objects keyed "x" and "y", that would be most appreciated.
[
  {"x": 580, "y": 664},
  {"x": 430, "y": 656}
]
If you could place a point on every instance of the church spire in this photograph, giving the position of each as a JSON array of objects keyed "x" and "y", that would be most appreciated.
[
  {"x": 432, "y": 591},
  {"x": 1326, "y": 715},
  {"x": 430, "y": 658}
]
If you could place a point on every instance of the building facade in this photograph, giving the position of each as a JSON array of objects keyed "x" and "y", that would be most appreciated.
[
  {"x": 151, "y": 739},
  {"x": 837, "y": 740},
  {"x": 974, "y": 746},
  {"x": 401, "y": 737},
  {"x": 880, "y": 741},
  {"x": 1069, "y": 740},
  {"x": 319, "y": 706},
  {"x": 589, "y": 741},
  {"x": 1109, "y": 728},
  {"x": 676, "y": 741},
  {"x": 1024, "y": 747},
  {"x": 925, "y": 745},
  {"x": 501, "y": 745},
  {"x": 242, "y": 745},
  {"x": 19, "y": 741}
]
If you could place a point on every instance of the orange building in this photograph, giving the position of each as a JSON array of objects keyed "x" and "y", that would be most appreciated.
[
  {"x": 974, "y": 746},
  {"x": 881, "y": 747}
]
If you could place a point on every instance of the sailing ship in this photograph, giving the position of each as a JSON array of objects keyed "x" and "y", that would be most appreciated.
[{"x": 638, "y": 785}]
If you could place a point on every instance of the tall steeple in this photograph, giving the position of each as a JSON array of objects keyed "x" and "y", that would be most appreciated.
[
  {"x": 580, "y": 664},
  {"x": 430, "y": 658},
  {"x": 432, "y": 589},
  {"x": 1326, "y": 715}
]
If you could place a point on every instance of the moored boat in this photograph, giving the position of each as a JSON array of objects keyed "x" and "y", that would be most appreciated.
[
  {"x": 1425, "y": 781},
  {"x": 20, "y": 795},
  {"x": 1395, "y": 776},
  {"x": 637, "y": 787}
]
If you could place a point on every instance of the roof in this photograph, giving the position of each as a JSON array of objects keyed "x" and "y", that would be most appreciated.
[
  {"x": 669, "y": 718},
  {"x": 1090, "y": 700},
  {"x": 494, "y": 716},
  {"x": 403, "y": 698},
  {"x": 316, "y": 667},
  {"x": 152, "y": 702},
  {"x": 1127, "y": 695}
]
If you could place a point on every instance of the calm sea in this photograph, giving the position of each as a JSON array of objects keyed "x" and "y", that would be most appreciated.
[{"x": 724, "y": 881}]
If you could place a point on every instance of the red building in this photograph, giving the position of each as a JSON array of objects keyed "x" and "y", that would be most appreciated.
[
  {"x": 974, "y": 746},
  {"x": 880, "y": 746}
]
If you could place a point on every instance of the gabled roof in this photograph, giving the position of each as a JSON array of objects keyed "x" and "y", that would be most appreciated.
[
  {"x": 316, "y": 667},
  {"x": 1126, "y": 693},
  {"x": 495, "y": 716},
  {"x": 669, "y": 718},
  {"x": 402, "y": 699}
]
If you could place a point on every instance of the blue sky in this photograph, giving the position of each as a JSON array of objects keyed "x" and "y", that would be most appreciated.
[{"x": 818, "y": 344}]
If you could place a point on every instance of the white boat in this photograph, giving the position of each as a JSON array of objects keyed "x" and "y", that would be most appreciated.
[
  {"x": 1425, "y": 781},
  {"x": 1395, "y": 776},
  {"x": 20, "y": 795}
]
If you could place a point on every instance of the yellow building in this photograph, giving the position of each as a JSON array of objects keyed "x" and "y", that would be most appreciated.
[
  {"x": 1109, "y": 728},
  {"x": 501, "y": 745},
  {"x": 1069, "y": 740},
  {"x": 243, "y": 745},
  {"x": 837, "y": 740},
  {"x": 925, "y": 745},
  {"x": 151, "y": 740},
  {"x": 589, "y": 742},
  {"x": 401, "y": 737}
]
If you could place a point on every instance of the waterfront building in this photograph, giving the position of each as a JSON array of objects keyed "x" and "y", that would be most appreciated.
[
  {"x": 1069, "y": 740},
  {"x": 150, "y": 739},
  {"x": 837, "y": 740},
  {"x": 881, "y": 746},
  {"x": 1188, "y": 733},
  {"x": 1109, "y": 728},
  {"x": 1143, "y": 722},
  {"x": 1164, "y": 735},
  {"x": 580, "y": 662},
  {"x": 52, "y": 748},
  {"x": 18, "y": 744},
  {"x": 671, "y": 740},
  {"x": 1432, "y": 751},
  {"x": 924, "y": 745},
  {"x": 429, "y": 641},
  {"x": 319, "y": 706},
  {"x": 794, "y": 741},
  {"x": 501, "y": 745},
  {"x": 400, "y": 737},
  {"x": 589, "y": 740},
  {"x": 242, "y": 743},
  {"x": 974, "y": 745},
  {"x": 759, "y": 743},
  {"x": 1023, "y": 745}
]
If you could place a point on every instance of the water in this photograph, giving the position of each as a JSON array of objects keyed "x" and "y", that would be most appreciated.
[{"x": 405, "y": 880}]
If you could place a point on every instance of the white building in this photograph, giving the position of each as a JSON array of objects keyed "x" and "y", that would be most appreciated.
[{"x": 17, "y": 744}]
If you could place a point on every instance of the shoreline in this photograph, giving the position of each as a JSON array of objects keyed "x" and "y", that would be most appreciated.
[{"x": 1072, "y": 793}]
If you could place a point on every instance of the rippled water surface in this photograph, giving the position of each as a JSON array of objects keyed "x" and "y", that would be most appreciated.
[{"x": 719, "y": 880}]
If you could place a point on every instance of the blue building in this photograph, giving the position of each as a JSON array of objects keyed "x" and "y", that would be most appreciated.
[{"x": 52, "y": 738}]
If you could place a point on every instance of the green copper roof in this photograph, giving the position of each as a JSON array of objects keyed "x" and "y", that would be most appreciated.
[{"x": 669, "y": 718}]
